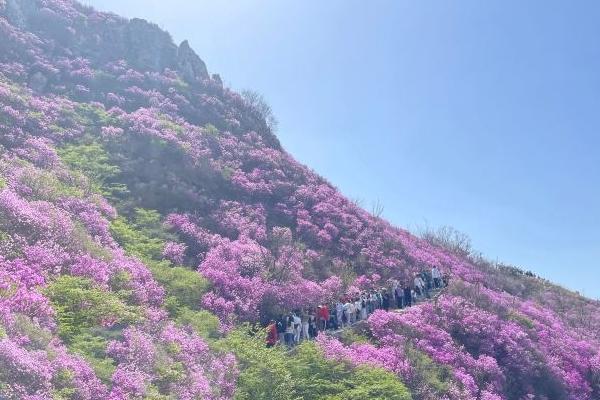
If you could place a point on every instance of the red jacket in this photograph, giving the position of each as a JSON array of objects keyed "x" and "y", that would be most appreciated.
[
  {"x": 272, "y": 335},
  {"x": 324, "y": 313}
]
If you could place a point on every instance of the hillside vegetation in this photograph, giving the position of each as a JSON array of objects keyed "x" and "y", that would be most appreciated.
[{"x": 150, "y": 221}]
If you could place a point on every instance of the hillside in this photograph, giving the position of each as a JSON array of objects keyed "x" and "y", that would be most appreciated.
[{"x": 147, "y": 213}]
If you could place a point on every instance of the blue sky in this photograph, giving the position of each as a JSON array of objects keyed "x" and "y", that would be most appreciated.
[{"x": 480, "y": 115}]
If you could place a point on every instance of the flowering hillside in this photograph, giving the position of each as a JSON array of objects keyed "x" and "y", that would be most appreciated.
[{"x": 147, "y": 213}]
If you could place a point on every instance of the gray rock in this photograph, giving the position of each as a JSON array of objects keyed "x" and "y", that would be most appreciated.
[
  {"x": 148, "y": 47},
  {"x": 189, "y": 64}
]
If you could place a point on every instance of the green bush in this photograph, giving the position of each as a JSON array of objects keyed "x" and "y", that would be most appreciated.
[
  {"x": 91, "y": 159},
  {"x": 304, "y": 373},
  {"x": 186, "y": 285},
  {"x": 427, "y": 374},
  {"x": 374, "y": 384},
  {"x": 202, "y": 322},
  {"x": 264, "y": 371},
  {"x": 134, "y": 241},
  {"x": 80, "y": 305},
  {"x": 91, "y": 345},
  {"x": 45, "y": 185},
  {"x": 39, "y": 338},
  {"x": 142, "y": 235}
]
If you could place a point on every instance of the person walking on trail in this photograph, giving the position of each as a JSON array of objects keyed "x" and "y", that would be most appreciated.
[
  {"x": 323, "y": 317},
  {"x": 420, "y": 286},
  {"x": 364, "y": 304},
  {"x": 281, "y": 323},
  {"x": 358, "y": 309},
  {"x": 437, "y": 277},
  {"x": 347, "y": 312},
  {"x": 297, "y": 327},
  {"x": 304, "y": 318},
  {"x": 289, "y": 332},
  {"x": 399, "y": 296},
  {"x": 312, "y": 324},
  {"x": 339, "y": 312},
  {"x": 407, "y": 295},
  {"x": 385, "y": 300},
  {"x": 272, "y": 335}
]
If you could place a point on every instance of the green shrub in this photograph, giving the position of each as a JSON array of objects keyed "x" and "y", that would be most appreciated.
[
  {"x": 135, "y": 242},
  {"x": 264, "y": 371},
  {"x": 91, "y": 345},
  {"x": 186, "y": 285},
  {"x": 520, "y": 319},
  {"x": 80, "y": 305},
  {"x": 91, "y": 159},
  {"x": 427, "y": 374},
  {"x": 304, "y": 373},
  {"x": 45, "y": 185},
  {"x": 202, "y": 322},
  {"x": 39, "y": 338},
  {"x": 375, "y": 384},
  {"x": 143, "y": 235}
]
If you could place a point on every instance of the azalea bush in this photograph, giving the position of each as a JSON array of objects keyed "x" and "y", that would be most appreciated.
[{"x": 146, "y": 211}]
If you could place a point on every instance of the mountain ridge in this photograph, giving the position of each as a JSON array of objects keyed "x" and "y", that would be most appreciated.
[{"x": 126, "y": 167}]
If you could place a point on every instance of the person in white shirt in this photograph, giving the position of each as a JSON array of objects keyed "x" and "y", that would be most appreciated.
[
  {"x": 348, "y": 312},
  {"x": 305, "y": 325},
  {"x": 419, "y": 285},
  {"x": 297, "y": 327},
  {"x": 339, "y": 312},
  {"x": 437, "y": 277},
  {"x": 352, "y": 312}
]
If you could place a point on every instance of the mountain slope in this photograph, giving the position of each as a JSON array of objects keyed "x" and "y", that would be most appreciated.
[{"x": 125, "y": 167}]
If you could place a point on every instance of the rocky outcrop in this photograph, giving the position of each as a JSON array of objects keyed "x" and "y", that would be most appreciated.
[
  {"x": 148, "y": 47},
  {"x": 189, "y": 64},
  {"x": 105, "y": 37}
]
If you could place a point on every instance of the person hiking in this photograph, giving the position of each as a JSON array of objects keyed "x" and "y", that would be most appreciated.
[
  {"x": 407, "y": 295},
  {"x": 312, "y": 324},
  {"x": 339, "y": 312},
  {"x": 385, "y": 300},
  {"x": 272, "y": 335},
  {"x": 304, "y": 322},
  {"x": 297, "y": 327},
  {"x": 399, "y": 297},
  {"x": 364, "y": 306},
  {"x": 437, "y": 277},
  {"x": 323, "y": 314},
  {"x": 289, "y": 331},
  {"x": 281, "y": 324},
  {"x": 357, "y": 309}
]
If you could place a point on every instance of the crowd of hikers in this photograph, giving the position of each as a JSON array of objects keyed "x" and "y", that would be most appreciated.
[{"x": 292, "y": 328}]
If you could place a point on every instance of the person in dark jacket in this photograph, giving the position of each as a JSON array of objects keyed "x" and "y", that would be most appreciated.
[
  {"x": 385, "y": 300},
  {"x": 407, "y": 296},
  {"x": 281, "y": 323},
  {"x": 399, "y": 297}
]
